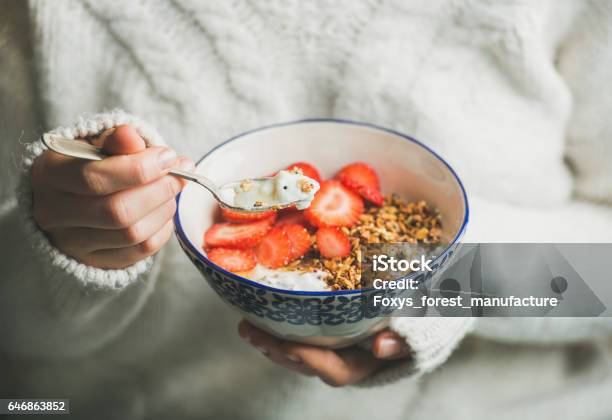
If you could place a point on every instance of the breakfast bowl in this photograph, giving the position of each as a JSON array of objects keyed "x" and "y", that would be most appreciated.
[{"x": 334, "y": 318}]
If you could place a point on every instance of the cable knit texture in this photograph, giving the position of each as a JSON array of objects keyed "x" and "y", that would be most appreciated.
[
  {"x": 184, "y": 63},
  {"x": 508, "y": 92},
  {"x": 87, "y": 275}
]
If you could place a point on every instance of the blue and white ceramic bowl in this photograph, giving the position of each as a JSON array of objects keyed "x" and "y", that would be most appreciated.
[{"x": 332, "y": 319}]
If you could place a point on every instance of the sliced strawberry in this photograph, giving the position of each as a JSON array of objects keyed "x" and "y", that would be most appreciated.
[
  {"x": 332, "y": 243},
  {"x": 334, "y": 205},
  {"x": 363, "y": 179},
  {"x": 234, "y": 260},
  {"x": 300, "y": 240},
  {"x": 372, "y": 195},
  {"x": 307, "y": 169},
  {"x": 361, "y": 173},
  {"x": 291, "y": 216},
  {"x": 236, "y": 235},
  {"x": 245, "y": 216},
  {"x": 274, "y": 250}
]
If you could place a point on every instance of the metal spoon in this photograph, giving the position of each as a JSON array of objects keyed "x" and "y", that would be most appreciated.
[{"x": 83, "y": 150}]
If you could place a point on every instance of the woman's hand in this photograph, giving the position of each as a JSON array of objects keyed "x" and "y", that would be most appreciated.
[
  {"x": 334, "y": 367},
  {"x": 110, "y": 213}
]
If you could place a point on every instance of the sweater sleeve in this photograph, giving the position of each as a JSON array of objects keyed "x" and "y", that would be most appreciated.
[
  {"x": 584, "y": 60},
  {"x": 50, "y": 304},
  {"x": 430, "y": 340}
]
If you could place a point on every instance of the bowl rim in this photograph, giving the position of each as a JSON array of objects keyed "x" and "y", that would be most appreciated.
[{"x": 185, "y": 240}]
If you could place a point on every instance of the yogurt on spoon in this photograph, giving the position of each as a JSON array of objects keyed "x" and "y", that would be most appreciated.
[{"x": 281, "y": 190}]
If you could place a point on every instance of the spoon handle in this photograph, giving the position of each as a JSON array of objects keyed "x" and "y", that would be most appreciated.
[
  {"x": 78, "y": 149},
  {"x": 198, "y": 179},
  {"x": 83, "y": 150}
]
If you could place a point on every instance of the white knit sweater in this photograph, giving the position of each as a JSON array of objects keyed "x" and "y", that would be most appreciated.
[{"x": 510, "y": 92}]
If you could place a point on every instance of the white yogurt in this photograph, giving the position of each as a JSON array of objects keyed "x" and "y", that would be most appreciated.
[
  {"x": 284, "y": 188},
  {"x": 290, "y": 280}
]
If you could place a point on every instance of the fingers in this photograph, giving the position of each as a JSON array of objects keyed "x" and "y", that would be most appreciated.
[
  {"x": 115, "y": 173},
  {"x": 115, "y": 211},
  {"x": 271, "y": 347},
  {"x": 124, "y": 257},
  {"x": 389, "y": 346},
  {"x": 109, "y": 213},
  {"x": 336, "y": 368},
  {"x": 99, "y": 140},
  {"x": 136, "y": 165},
  {"x": 123, "y": 140},
  {"x": 84, "y": 240}
]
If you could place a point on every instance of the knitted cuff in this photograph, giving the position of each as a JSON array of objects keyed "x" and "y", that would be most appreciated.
[
  {"x": 46, "y": 253},
  {"x": 431, "y": 341}
]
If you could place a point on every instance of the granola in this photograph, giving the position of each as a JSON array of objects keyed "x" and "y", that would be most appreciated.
[{"x": 396, "y": 221}]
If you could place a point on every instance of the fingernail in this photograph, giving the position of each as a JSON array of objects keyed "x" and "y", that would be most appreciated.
[
  {"x": 263, "y": 350},
  {"x": 294, "y": 358},
  {"x": 167, "y": 158},
  {"x": 389, "y": 347}
]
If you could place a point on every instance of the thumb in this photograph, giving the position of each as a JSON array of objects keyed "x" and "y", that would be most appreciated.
[
  {"x": 389, "y": 345},
  {"x": 122, "y": 140}
]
